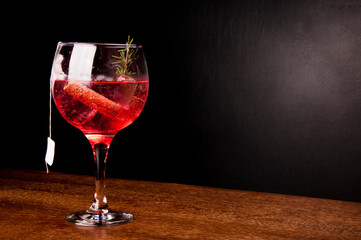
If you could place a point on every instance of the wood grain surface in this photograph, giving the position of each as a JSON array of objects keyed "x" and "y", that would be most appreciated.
[{"x": 34, "y": 204}]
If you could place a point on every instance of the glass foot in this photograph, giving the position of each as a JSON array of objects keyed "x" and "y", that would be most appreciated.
[{"x": 87, "y": 218}]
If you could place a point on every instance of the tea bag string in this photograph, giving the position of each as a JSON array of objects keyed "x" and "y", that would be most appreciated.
[
  {"x": 50, "y": 151},
  {"x": 50, "y": 96}
]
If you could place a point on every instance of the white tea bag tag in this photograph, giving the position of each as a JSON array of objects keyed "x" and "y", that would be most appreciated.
[{"x": 50, "y": 151}]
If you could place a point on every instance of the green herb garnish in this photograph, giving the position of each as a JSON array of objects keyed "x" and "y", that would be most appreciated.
[{"x": 125, "y": 59}]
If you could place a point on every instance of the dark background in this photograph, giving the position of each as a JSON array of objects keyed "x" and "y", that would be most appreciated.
[{"x": 253, "y": 95}]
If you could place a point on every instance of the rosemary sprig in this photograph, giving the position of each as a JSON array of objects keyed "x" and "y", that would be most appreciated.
[{"x": 125, "y": 59}]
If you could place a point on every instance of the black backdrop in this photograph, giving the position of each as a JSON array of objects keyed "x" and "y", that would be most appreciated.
[{"x": 254, "y": 95}]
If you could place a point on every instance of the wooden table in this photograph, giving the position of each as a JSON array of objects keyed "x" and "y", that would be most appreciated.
[{"x": 33, "y": 205}]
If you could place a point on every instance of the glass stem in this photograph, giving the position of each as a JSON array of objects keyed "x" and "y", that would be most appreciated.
[{"x": 100, "y": 151}]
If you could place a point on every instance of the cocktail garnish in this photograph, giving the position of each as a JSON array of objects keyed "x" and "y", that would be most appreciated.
[
  {"x": 125, "y": 59},
  {"x": 93, "y": 99}
]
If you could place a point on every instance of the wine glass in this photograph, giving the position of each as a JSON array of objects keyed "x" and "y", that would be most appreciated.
[{"x": 100, "y": 88}]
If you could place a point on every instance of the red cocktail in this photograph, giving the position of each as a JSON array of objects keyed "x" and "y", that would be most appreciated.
[
  {"x": 100, "y": 89},
  {"x": 100, "y": 108}
]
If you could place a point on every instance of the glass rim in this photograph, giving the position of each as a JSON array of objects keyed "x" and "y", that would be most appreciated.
[{"x": 121, "y": 45}]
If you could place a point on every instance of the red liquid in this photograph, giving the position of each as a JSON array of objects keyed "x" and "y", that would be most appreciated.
[{"x": 83, "y": 113}]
